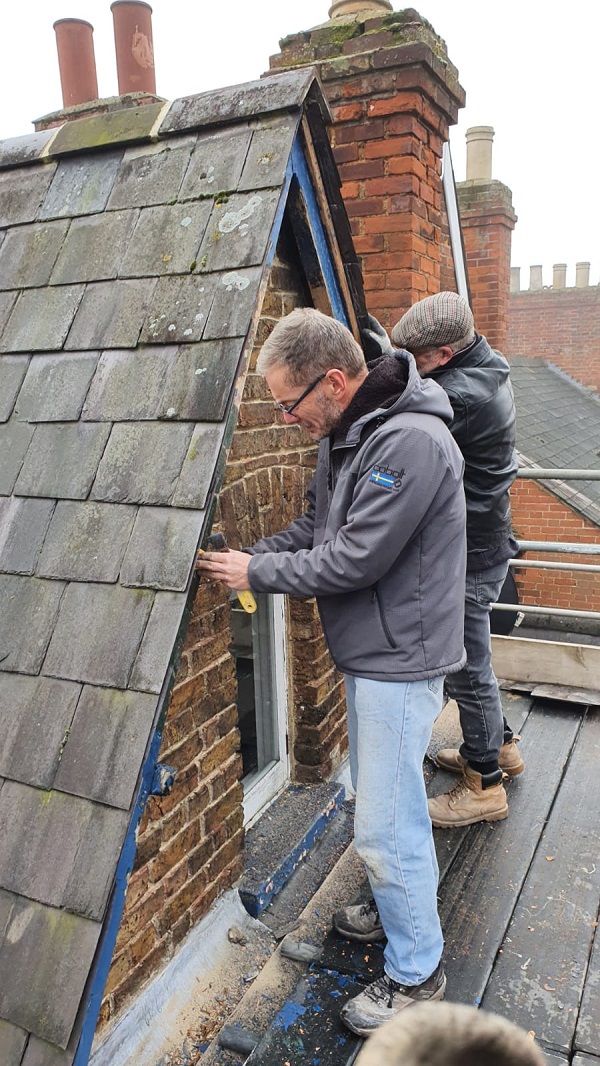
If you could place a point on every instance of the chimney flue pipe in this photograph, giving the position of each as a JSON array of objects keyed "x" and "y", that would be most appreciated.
[
  {"x": 75, "y": 46},
  {"x": 133, "y": 42}
]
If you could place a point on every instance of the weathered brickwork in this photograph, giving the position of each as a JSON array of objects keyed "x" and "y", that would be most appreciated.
[
  {"x": 393, "y": 94},
  {"x": 190, "y": 844},
  {"x": 487, "y": 221},
  {"x": 538, "y": 515},
  {"x": 561, "y": 326}
]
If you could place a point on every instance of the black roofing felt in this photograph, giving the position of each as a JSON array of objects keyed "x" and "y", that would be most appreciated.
[
  {"x": 558, "y": 425},
  {"x": 130, "y": 283}
]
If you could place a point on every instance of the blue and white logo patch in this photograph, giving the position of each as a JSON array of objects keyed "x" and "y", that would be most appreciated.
[{"x": 387, "y": 478}]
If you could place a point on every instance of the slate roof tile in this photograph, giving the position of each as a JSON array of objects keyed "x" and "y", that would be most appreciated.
[
  {"x": 47, "y": 996},
  {"x": 111, "y": 314},
  {"x": 86, "y": 541},
  {"x": 29, "y": 253},
  {"x": 199, "y": 466},
  {"x": 163, "y": 542},
  {"x": 142, "y": 462},
  {"x": 151, "y": 174},
  {"x": 29, "y": 612},
  {"x": 7, "y": 302},
  {"x": 18, "y": 150},
  {"x": 129, "y": 384},
  {"x": 238, "y": 102},
  {"x": 217, "y": 162},
  {"x": 23, "y": 526},
  {"x": 55, "y": 387},
  {"x": 98, "y": 633},
  {"x": 126, "y": 126},
  {"x": 37, "y": 827},
  {"x": 108, "y": 736},
  {"x": 179, "y": 309},
  {"x": 236, "y": 297},
  {"x": 12, "y": 1043},
  {"x": 81, "y": 185},
  {"x": 62, "y": 459},
  {"x": 158, "y": 647},
  {"x": 35, "y": 715},
  {"x": 22, "y": 192},
  {"x": 238, "y": 231},
  {"x": 166, "y": 240},
  {"x": 15, "y": 438},
  {"x": 41, "y": 319},
  {"x": 200, "y": 382},
  {"x": 41, "y": 1053},
  {"x": 94, "y": 247},
  {"x": 12, "y": 371},
  {"x": 269, "y": 155}
]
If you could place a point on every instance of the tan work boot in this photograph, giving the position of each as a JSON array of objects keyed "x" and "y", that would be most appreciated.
[
  {"x": 468, "y": 803},
  {"x": 509, "y": 759}
]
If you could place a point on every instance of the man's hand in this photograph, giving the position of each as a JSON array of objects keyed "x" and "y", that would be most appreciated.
[
  {"x": 375, "y": 340},
  {"x": 230, "y": 567}
]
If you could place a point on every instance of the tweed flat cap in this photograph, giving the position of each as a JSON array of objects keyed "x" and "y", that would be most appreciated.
[{"x": 434, "y": 321}]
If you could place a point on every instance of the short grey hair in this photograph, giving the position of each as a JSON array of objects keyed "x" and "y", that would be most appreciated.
[
  {"x": 449, "y": 1034},
  {"x": 308, "y": 343}
]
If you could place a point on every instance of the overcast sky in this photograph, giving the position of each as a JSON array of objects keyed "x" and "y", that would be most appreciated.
[{"x": 529, "y": 68}]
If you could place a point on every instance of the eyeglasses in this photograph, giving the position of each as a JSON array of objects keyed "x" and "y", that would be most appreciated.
[{"x": 290, "y": 410}]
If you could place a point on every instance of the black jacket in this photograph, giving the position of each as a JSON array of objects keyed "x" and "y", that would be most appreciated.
[{"x": 478, "y": 386}]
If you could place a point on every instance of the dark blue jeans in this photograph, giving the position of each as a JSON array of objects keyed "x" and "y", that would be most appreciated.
[{"x": 475, "y": 687}]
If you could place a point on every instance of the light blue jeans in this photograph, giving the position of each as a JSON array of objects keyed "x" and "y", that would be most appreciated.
[{"x": 389, "y": 726}]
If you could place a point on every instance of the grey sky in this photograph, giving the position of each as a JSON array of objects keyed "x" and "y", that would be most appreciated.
[{"x": 529, "y": 69}]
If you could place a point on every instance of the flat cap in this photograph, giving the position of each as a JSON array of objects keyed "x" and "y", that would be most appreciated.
[{"x": 434, "y": 321}]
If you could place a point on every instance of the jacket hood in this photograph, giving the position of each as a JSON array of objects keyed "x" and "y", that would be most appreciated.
[{"x": 393, "y": 385}]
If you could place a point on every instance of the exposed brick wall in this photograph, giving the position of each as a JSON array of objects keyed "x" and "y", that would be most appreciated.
[
  {"x": 393, "y": 94},
  {"x": 190, "y": 843},
  {"x": 487, "y": 221},
  {"x": 560, "y": 325},
  {"x": 538, "y": 515}
]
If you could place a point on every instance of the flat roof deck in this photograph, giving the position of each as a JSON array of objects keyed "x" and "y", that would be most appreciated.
[{"x": 519, "y": 902}]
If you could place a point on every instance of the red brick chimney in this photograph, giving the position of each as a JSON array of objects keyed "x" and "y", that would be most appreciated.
[
  {"x": 487, "y": 221},
  {"x": 393, "y": 92}
]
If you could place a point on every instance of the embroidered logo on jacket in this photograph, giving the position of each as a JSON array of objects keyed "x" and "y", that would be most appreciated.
[{"x": 387, "y": 478}]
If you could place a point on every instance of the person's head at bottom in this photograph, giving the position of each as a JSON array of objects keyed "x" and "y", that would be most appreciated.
[{"x": 449, "y": 1034}]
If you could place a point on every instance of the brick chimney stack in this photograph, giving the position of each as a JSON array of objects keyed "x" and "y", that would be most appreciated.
[
  {"x": 487, "y": 221},
  {"x": 393, "y": 93}
]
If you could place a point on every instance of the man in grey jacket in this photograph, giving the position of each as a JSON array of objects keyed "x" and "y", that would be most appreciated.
[{"x": 382, "y": 547}]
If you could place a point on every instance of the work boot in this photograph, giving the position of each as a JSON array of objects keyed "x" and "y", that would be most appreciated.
[
  {"x": 469, "y": 802},
  {"x": 509, "y": 759},
  {"x": 384, "y": 998},
  {"x": 359, "y": 922}
]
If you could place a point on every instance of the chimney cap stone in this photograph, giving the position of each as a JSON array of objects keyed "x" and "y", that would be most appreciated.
[{"x": 352, "y": 7}]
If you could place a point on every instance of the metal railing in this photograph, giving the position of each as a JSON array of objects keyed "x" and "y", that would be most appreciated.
[{"x": 561, "y": 547}]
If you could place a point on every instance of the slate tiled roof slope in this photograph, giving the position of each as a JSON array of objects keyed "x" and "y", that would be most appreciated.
[
  {"x": 558, "y": 425},
  {"x": 134, "y": 252}
]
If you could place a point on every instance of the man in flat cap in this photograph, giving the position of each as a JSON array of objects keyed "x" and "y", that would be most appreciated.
[{"x": 440, "y": 333}]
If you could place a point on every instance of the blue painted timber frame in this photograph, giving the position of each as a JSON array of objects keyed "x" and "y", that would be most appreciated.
[{"x": 297, "y": 171}]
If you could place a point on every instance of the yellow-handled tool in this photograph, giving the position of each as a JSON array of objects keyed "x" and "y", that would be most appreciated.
[{"x": 217, "y": 543}]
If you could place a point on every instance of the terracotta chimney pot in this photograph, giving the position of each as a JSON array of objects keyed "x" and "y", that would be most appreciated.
[
  {"x": 75, "y": 46},
  {"x": 133, "y": 42}
]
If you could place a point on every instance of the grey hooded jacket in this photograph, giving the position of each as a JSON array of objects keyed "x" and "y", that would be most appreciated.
[{"x": 382, "y": 542}]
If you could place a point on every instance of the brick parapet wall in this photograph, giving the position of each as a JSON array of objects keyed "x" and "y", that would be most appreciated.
[
  {"x": 539, "y": 515},
  {"x": 561, "y": 326},
  {"x": 393, "y": 94},
  {"x": 487, "y": 221},
  {"x": 190, "y": 843}
]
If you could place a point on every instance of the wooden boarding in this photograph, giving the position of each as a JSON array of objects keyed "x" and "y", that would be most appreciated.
[
  {"x": 566, "y": 694},
  {"x": 539, "y": 975},
  {"x": 547, "y": 662},
  {"x": 587, "y": 1034},
  {"x": 307, "y": 1030},
  {"x": 479, "y": 893}
]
